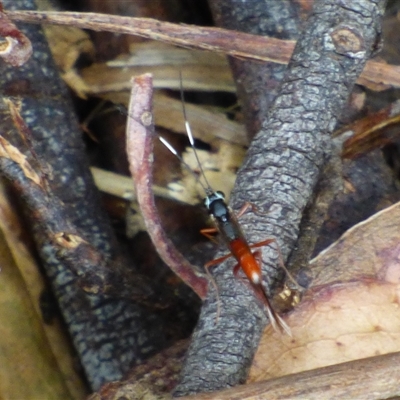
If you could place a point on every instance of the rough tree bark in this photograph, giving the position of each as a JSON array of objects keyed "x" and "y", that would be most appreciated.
[
  {"x": 109, "y": 333},
  {"x": 258, "y": 83},
  {"x": 279, "y": 174}
]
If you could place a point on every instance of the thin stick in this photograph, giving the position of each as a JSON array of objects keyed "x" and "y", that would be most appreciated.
[
  {"x": 233, "y": 43},
  {"x": 340, "y": 382},
  {"x": 139, "y": 136}
]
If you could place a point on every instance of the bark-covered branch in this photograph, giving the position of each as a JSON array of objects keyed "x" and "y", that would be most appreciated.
[
  {"x": 279, "y": 174},
  {"x": 258, "y": 83},
  {"x": 64, "y": 211},
  {"x": 341, "y": 382}
]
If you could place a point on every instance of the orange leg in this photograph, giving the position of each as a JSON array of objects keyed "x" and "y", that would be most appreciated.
[
  {"x": 244, "y": 208},
  {"x": 236, "y": 270},
  {"x": 207, "y": 267},
  {"x": 208, "y": 233},
  {"x": 263, "y": 243},
  {"x": 253, "y": 208},
  {"x": 212, "y": 280},
  {"x": 282, "y": 264},
  {"x": 217, "y": 261}
]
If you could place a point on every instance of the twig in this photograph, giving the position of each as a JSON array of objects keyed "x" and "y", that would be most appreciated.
[
  {"x": 233, "y": 43},
  {"x": 369, "y": 133},
  {"x": 218, "y": 40},
  {"x": 341, "y": 382},
  {"x": 280, "y": 172},
  {"x": 109, "y": 333},
  {"x": 139, "y": 136}
]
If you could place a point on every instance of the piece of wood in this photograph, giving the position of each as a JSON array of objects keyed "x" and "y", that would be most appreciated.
[
  {"x": 368, "y": 379},
  {"x": 233, "y": 43}
]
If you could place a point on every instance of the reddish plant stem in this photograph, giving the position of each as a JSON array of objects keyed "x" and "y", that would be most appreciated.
[{"x": 139, "y": 136}]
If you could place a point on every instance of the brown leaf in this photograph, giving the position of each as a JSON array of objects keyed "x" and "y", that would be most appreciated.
[
  {"x": 352, "y": 309},
  {"x": 28, "y": 366}
]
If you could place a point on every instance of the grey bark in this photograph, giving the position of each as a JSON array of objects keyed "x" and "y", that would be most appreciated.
[
  {"x": 258, "y": 83},
  {"x": 109, "y": 334},
  {"x": 279, "y": 174}
]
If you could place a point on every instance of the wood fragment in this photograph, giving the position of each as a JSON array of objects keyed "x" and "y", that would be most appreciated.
[
  {"x": 341, "y": 382},
  {"x": 233, "y": 43}
]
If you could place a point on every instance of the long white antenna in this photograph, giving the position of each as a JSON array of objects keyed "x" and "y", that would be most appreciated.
[
  {"x": 191, "y": 140},
  {"x": 207, "y": 187},
  {"x": 175, "y": 153}
]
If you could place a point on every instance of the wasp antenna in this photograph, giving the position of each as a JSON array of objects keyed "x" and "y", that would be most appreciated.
[
  {"x": 190, "y": 136},
  {"x": 182, "y": 96},
  {"x": 189, "y": 133},
  {"x": 175, "y": 153},
  {"x": 169, "y": 147}
]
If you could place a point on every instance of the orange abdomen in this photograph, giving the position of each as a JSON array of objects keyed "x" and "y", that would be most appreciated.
[{"x": 241, "y": 251}]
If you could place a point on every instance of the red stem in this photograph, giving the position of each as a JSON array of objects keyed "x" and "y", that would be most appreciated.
[{"x": 139, "y": 136}]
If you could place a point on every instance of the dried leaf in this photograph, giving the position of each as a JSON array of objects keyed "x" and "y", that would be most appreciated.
[
  {"x": 351, "y": 311},
  {"x": 33, "y": 282},
  {"x": 29, "y": 369}
]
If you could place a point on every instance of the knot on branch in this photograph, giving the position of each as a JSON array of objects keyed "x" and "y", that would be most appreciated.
[
  {"x": 348, "y": 41},
  {"x": 67, "y": 240},
  {"x": 146, "y": 118},
  {"x": 15, "y": 47}
]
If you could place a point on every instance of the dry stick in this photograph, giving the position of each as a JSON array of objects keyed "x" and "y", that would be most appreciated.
[
  {"x": 341, "y": 381},
  {"x": 218, "y": 40},
  {"x": 233, "y": 43},
  {"x": 249, "y": 45},
  {"x": 369, "y": 133},
  {"x": 139, "y": 137},
  {"x": 280, "y": 171},
  {"x": 95, "y": 272},
  {"x": 109, "y": 333}
]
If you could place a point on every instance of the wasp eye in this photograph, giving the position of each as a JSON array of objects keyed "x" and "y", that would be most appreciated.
[{"x": 221, "y": 195}]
